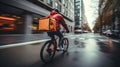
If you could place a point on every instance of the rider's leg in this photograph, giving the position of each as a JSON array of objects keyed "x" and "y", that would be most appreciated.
[
  {"x": 51, "y": 35},
  {"x": 59, "y": 34}
]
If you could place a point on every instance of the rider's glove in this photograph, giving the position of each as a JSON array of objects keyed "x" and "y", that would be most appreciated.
[{"x": 68, "y": 31}]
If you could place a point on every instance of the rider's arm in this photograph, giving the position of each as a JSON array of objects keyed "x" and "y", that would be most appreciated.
[{"x": 62, "y": 21}]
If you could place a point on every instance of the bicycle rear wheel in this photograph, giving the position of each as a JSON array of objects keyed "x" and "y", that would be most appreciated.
[
  {"x": 47, "y": 52},
  {"x": 65, "y": 44}
]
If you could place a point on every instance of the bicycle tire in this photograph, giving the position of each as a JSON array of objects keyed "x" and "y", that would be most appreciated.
[
  {"x": 48, "y": 43},
  {"x": 65, "y": 42}
]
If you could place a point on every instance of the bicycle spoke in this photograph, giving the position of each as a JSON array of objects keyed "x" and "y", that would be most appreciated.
[
  {"x": 65, "y": 44},
  {"x": 47, "y": 52}
]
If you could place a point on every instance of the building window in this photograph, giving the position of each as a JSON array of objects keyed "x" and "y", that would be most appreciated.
[
  {"x": 49, "y": 2},
  {"x": 35, "y": 24},
  {"x": 7, "y": 23},
  {"x": 11, "y": 24},
  {"x": 78, "y": 7},
  {"x": 11, "y": 20},
  {"x": 58, "y": 6},
  {"x": 78, "y": 3}
]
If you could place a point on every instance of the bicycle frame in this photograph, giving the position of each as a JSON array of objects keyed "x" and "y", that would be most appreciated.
[
  {"x": 51, "y": 47},
  {"x": 55, "y": 43}
]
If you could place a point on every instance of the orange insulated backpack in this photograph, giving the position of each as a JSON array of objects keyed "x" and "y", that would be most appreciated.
[{"x": 47, "y": 24}]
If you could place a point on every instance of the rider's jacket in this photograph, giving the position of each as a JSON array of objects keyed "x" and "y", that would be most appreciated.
[{"x": 59, "y": 20}]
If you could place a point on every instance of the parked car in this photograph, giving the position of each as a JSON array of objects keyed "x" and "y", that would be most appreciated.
[
  {"x": 116, "y": 33},
  {"x": 104, "y": 33},
  {"x": 107, "y": 33},
  {"x": 85, "y": 31},
  {"x": 78, "y": 31}
]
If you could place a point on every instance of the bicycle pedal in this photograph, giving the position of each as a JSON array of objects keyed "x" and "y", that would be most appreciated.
[{"x": 61, "y": 50}]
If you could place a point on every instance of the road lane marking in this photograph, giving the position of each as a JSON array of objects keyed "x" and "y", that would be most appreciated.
[
  {"x": 25, "y": 43},
  {"x": 115, "y": 41},
  {"x": 22, "y": 44},
  {"x": 103, "y": 40}
]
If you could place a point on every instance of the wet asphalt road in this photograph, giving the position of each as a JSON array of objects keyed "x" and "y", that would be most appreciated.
[{"x": 85, "y": 50}]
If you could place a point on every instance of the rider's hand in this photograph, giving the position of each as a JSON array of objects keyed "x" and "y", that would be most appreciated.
[{"x": 68, "y": 31}]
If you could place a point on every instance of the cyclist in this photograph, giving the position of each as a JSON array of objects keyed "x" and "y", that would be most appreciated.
[{"x": 59, "y": 21}]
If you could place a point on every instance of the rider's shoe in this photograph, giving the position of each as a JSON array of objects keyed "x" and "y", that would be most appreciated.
[{"x": 60, "y": 48}]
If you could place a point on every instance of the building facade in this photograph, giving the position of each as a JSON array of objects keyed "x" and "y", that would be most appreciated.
[
  {"x": 109, "y": 11},
  {"x": 80, "y": 18},
  {"x": 26, "y": 13},
  {"x": 105, "y": 13},
  {"x": 19, "y": 19},
  {"x": 116, "y": 16},
  {"x": 77, "y": 13}
]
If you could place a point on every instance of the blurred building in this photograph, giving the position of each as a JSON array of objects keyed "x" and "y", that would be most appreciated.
[
  {"x": 66, "y": 7},
  {"x": 77, "y": 12},
  {"x": 21, "y": 16},
  {"x": 116, "y": 15},
  {"x": 80, "y": 18},
  {"x": 109, "y": 14},
  {"x": 19, "y": 19}
]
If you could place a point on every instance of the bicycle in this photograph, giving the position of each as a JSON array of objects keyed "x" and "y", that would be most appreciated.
[{"x": 50, "y": 48}]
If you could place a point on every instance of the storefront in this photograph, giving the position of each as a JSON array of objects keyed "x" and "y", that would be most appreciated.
[{"x": 17, "y": 21}]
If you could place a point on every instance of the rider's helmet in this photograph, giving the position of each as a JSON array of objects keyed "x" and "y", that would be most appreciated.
[{"x": 56, "y": 10}]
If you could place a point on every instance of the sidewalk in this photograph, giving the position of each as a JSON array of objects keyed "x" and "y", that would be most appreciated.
[
  {"x": 7, "y": 41},
  {"x": 20, "y": 38}
]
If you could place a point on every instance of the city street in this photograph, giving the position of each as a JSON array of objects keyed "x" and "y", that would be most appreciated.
[
  {"x": 85, "y": 50},
  {"x": 92, "y": 26}
]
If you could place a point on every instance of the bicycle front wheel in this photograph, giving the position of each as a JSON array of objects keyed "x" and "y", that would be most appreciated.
[
  {"x": 65, "y": 44},
  {"x": 47, "y": 52}
]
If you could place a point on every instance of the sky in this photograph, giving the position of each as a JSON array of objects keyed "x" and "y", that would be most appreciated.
[{"x": 91, "y": 11}]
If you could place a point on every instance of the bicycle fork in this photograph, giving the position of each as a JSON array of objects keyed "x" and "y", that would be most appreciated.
[{"x": 52, "y": 49}]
